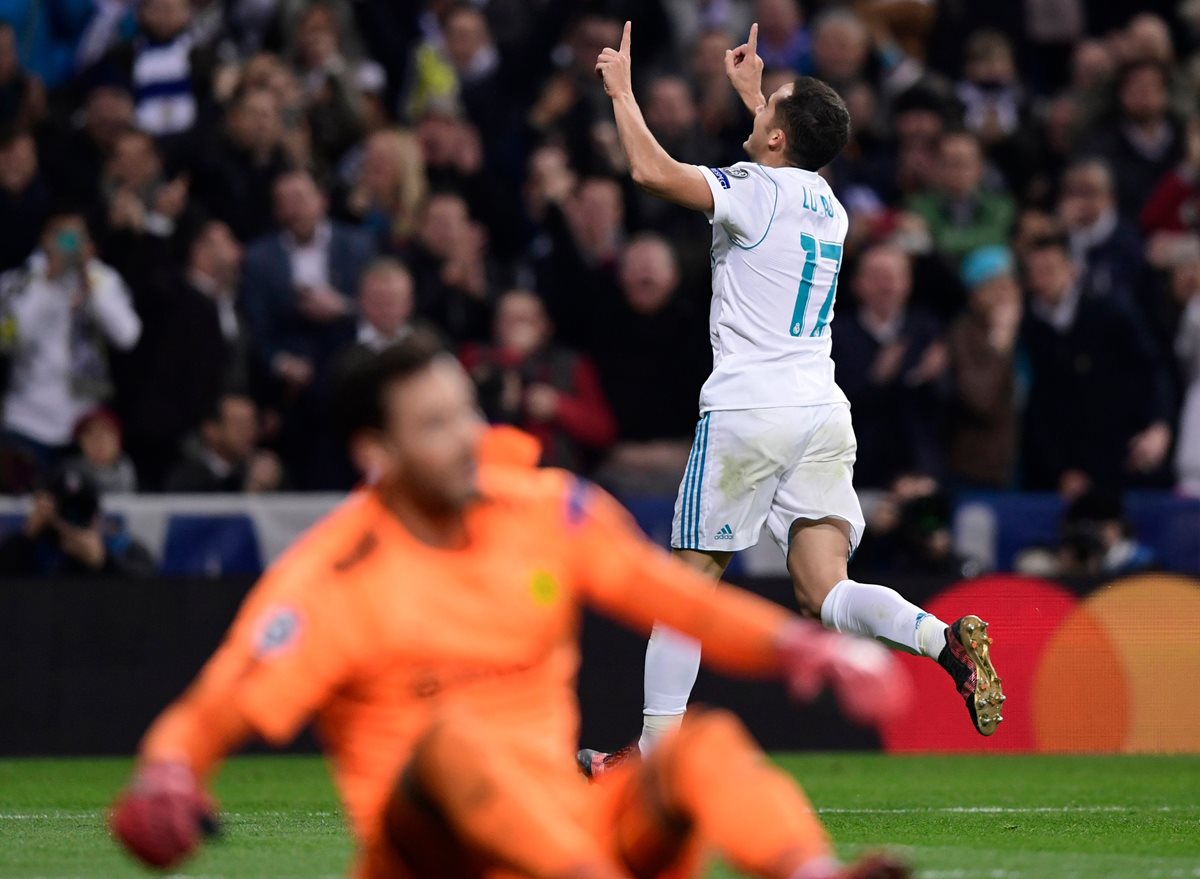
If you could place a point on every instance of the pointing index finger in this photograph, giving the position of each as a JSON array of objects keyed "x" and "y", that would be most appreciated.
[
  {"x": 625, "y": 39},
  {"x": 752, "y": 42}
]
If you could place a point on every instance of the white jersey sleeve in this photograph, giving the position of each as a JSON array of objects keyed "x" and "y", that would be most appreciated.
[{"x": 744, "y": 200}]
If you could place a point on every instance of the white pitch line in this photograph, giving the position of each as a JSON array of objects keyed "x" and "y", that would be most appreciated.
[{"x": 1003, "y": 810}]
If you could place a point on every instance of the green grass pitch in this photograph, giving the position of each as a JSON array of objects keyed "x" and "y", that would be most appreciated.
[{"x": 957, "y": 817}]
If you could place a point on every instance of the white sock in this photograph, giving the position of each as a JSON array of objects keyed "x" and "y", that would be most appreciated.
[
  {"x": 672, "y": 663},
  {"x": 879, "y": 612}
]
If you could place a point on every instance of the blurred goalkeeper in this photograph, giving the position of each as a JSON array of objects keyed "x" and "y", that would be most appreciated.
[{"x": 431, "y": 621}]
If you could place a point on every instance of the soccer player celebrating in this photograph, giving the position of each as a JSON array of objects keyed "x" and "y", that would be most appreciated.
[
  {"x": 774, "y": 444},
  {"x": 432, "y": 620}
]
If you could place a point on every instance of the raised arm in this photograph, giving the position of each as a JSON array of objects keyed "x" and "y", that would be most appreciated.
[
  {"x": 649, "y": 164},
  {"x": 745, "y": 69}
]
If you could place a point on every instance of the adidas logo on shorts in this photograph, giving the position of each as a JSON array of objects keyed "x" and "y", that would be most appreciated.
[{"x": 726, "y": 533}]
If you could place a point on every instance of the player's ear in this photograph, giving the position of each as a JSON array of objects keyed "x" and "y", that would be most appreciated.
[
  {"x": 777, "y": 140},
  {"x": 368, "y": 455}
]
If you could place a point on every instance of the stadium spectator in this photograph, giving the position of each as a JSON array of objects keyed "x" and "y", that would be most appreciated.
[
  {"x": 139, "y": 201},
  {"x": 1185, "y": 284},
  {"x": 24, "y": 198},
  {"x": 995, "y": 107},
  {"x": 983, "y": 376},
  {"x": 549, "y": 391},
  {"x": 841, "y": 47},
  {"x": 960, "y": 213},
  {"x": 22, "y": 95},
  {"x": 69, "y": 309},
  {"x": 297, "y": 282},
  {"x": 98, "y": 436},
  {"x": 66, "y": 533},
  {"x": 454, "y": 283},
  {"x": 583, "y": 232},
  {"x": 385, "y": 305},
  {"x": 49, "y": 33},
  {"x": 1170, "y": 218},
  {"x": 890, "y": 363},
  {"x": 651, "y": 368},
  {"x": 168, "y": 74},
  {"x": 328, "y": 77},
  {"x": 1099, "y": 410},
  {"x": 235, "y": 174},
  {"x": 1106, "y": 246},
  {"x": 388, "y": 191},
  {"x": 1144, "y": 141},
  {"x": 783, "y": 41},
  {"x": 1095, "y": 539},
  {"x": 76, "y": 152},
  {"x": 196, "y": 343},
  {"x": 909, "y": 533},
  {"x": 225, "y": 456}
]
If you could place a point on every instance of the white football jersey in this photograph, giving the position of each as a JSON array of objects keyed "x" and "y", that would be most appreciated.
[{"x": 776, "y": 254}]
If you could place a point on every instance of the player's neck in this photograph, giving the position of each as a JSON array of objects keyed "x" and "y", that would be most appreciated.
[{"x": 439, "y": 528}]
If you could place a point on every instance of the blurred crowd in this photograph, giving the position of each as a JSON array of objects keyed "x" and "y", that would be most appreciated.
[{"x": 210, "y": 207}]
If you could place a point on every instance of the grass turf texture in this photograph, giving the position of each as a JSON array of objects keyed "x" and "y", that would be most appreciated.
[{"x": 957, "y": 817}]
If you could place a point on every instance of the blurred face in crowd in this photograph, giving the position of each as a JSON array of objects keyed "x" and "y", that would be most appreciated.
[
  {"x": 1087, "y": 195},
  {"x": 10, "y": 62},
  {"x": 996, "y": 293},
  {"x": 1149, "y": 39},
  {"x": 107, "y": 113},
  {"x": 592, "y": 35},
  {"x": 164, "y": 19},
  {"x": 670, "y": 111},
  {"x": 466, "y": 33},
  {"x": 18, "y": 164},
  {"x": 1032, "y": 224},
  {"x": 883, "y": 281},
  {"x": 217, "y": 254},
  {"x": 1091, "y": 65},
  {"x": 299, "y": 205},
  {"x": 777, "y": 19},
  {"x": 1061, "y": 116},
  {"x": 598, "y": 211},
  {"x": 1143, "y": 95},
  {"x": 134, "y": 162},
  {"x": 431, "y": 436},
  {"x": 521, "y": 326},
  {"x": 100, "y": 442},
  {"x": 317, "y": 36},
  {"x": 708, "y": 58},
  {"x": 1049, "y": 273},
  {"x": 255, "y": 122},
  {"x": 919, "y": 126},
  {"x": 840, "y": 45},
  {"x": 385, "y": 298},
  {"x": 995, "y": 65},
  {"x": 446, "y": 222},
  {"x": 649, "y": 275},
  {"x": 861, "y": 104},
  {"x": 234, "y": 433},
  {"x": 960, "y": 165}
]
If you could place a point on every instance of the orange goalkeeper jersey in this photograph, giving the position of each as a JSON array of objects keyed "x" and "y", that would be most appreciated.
[{"x": 374, "y": 634}]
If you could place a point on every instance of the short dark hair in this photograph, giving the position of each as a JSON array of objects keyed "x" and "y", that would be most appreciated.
[
  {"x": 1053, "y": 241},
  {"x": 815, "y": 121},
  {"x": 365, "y": 378}
]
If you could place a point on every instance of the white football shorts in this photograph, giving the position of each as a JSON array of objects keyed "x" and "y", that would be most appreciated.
[{"x": 751, "y": 467}]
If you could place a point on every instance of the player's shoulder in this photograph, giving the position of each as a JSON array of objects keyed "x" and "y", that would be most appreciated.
[
  {"x": 557, "y": 496},
  {"x": 335, "y": 546},
  {"x": 740, "y": 174}
]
